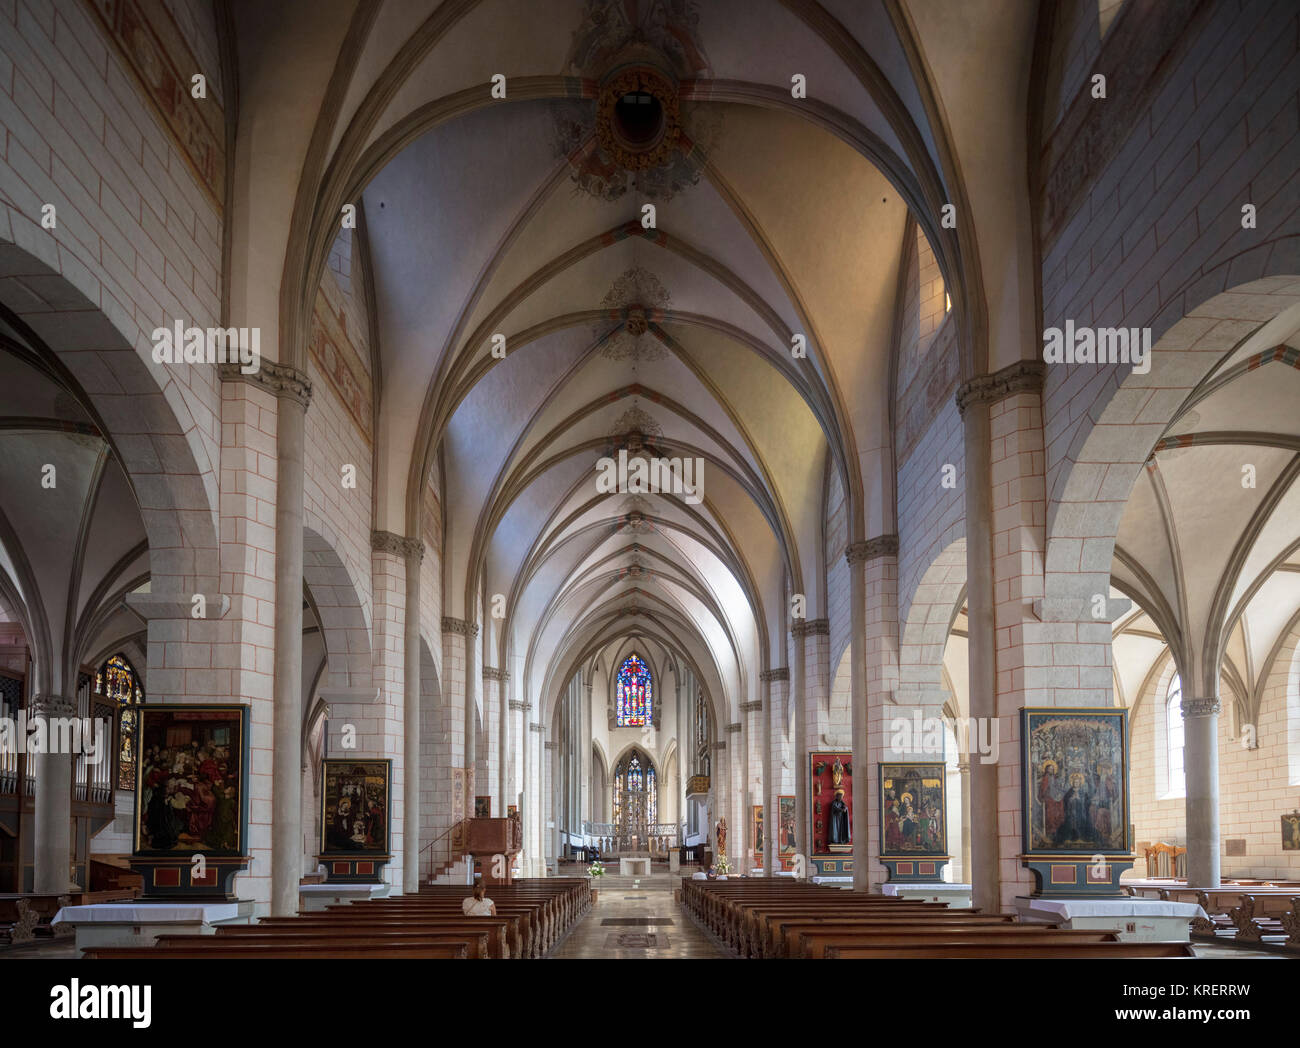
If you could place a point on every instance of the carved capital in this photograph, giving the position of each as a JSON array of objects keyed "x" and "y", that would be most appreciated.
[
  {"x": 719, "y": 745},
  {"x": 460, "y": 626},
  {"x": 280, "y": 380},
  {"x": 389, "y": 542},
  {"x": 492, "y": 673},
  {"x": 733, "y": 728},
  {"x": 812, "y": 628},
  {"x": 520, "y": 705},
  {"x": 880, "y": 546},
  {"x": 1200, "y": 707},
  {"x": 750, "y": 707},
  {"x": 1024, "y": 376},
  {"x": 780, "y": 673},
  {"x": 550, "y": 745},
  {"x": 537, "y": 728},
  {"x": 52, "y": 706}
]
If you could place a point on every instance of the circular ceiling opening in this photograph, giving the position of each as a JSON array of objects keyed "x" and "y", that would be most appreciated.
[{"x": 639, "y": 118}]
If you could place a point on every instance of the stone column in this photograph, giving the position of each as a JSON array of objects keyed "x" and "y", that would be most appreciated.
[
  {"x": 53, "y": 804},
  {"x": 799, "y": 744},
  {"x": 984, "y": 874},
  {"x": 721, "y": 787},
  {"x": 552, "y": 838},
  {"x": 584, "y": 756},
  {"x": 776, "y": 680},
  {"x": 873, "y": 592},
  {"x": 413, "y": 551},
  {"x": 1201, "y": 764},
  {"x": 494, "y": 687},
  {"x": 535, "y": 802},
  {"x": 963, "y": 768},
  {"x": 805, "y": 652},
  {"x": 293, "y": 392},
  {"x": 746, "y": 834}
]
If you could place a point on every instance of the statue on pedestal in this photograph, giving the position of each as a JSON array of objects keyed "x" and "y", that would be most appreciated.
[
  {"x": 839, "y": 820},
  {"x": 720, "y": 836}
]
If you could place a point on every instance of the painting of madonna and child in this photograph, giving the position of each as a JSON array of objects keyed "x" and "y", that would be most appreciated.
[
  {"x": 190, "y": 785},
  {"x": 1076, "y": 775},
  {"x": 355, "y": 803}
]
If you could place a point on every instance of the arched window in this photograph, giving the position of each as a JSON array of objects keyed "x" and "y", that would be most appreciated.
[
  {"x": 1174, "y": 736},
  {"x": 117, "y": 680},
  {"x": 636, "y": 796},
  {"x": 634, "y": 695}
]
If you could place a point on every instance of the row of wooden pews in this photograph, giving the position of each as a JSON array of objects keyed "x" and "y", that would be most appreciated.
[
  {"x": 532, "y": 915},
  {"x": 777, "y": 918},
  {"x": 1249, "y": 911}
]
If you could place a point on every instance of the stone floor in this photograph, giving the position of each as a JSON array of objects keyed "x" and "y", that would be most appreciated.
[{"x": 636, "y": 918}]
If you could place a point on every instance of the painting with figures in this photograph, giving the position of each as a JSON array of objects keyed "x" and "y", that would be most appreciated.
[
  {"x": 912, "y": 809},
  {"x": 1075, "y": 765},
  {"x": 355, "y": 806},
  {"x": 191, "y": 780}
]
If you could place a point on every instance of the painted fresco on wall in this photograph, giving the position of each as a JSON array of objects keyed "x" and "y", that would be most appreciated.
[
  {"x": 355, "y": 802},
  {"x": 912, "y": 809},
  {"x": 191, "y": 786},
  {"x": 832, "y": 803},
  {"x": 757, "y": 837},
  {"x": 1075, "y": 770}
]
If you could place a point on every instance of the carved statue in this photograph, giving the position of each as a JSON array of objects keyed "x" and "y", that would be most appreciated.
[
  {"x": 721, "y": 836},
  {"x": 837, "y": 773},
  {"x": 839, "y": 818}
]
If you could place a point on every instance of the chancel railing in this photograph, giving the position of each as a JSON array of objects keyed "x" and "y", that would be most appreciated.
[{"x": 613, "y": 838}]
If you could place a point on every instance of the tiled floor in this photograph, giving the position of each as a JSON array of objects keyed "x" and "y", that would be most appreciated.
[{"x": 661, "y": 928}]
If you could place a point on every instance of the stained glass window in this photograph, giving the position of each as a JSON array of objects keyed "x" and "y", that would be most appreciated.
[
  {"x": 634, "y": 697},
  {"x": 636, "y": 796},
  {"x": 116, "y": 680}
]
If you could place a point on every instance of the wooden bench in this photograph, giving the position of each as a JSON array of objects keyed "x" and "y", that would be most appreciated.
[
  {"x": 1011, "y": 951},
  {"x": 233, "y": 951},
  {"x": 309, "y": 940},
  {"x": 813, "y": 945}
]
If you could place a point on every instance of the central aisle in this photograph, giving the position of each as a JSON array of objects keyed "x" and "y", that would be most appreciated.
[{"x": 636, "y": 918}]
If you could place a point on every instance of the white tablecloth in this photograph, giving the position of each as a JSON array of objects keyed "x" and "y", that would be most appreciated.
[
  {"x": 147, "y": 913},
  {"x": 895, "y": 888},
  {"x": 1068, "y": 909}
]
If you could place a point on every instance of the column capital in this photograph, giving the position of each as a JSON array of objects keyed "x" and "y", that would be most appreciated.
[
  {"x": 812, "y": 628},
  {"x": 779, "y": 673},
  {"x": 1200, "y": 707},
  {"x": 550, "y": 745},
  {"x": 461, "y": 626},
  {"x": 733, "y": 728},
  {"x": 720, "y": 745},
  {"x": 280, "y": 380},
  {"x": 390, "y": 542},
  {"x": 880, "y": 546},
  {"x": 536, "y": 727},
  {"x": 1024, "y": 376},
  {"x": 750, "y": 707},
  {"x": 492, "y": 673},
  {"x": 520, "y": 705},
  {"x": 52, "y": 706}
]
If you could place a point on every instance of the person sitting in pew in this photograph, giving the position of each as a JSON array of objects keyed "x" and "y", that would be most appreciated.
[{"x": 479, "y": 905}]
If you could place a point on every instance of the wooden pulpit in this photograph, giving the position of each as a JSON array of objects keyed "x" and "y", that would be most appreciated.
[{"x": 489, "y": 838}]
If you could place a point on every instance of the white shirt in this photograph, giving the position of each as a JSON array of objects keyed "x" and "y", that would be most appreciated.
[{"x": 477, "y": 907}]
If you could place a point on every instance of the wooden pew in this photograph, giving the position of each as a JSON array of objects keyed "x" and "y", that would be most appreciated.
[
  {"x": 780, "y": 928},
  {"x": 1011, "y": 951},
  {"x": 309, "y": 941},
  {"x": 813, "y": 945},
  {"x": 232, "y": 951},
  {"x": 497, "y": 929}
]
